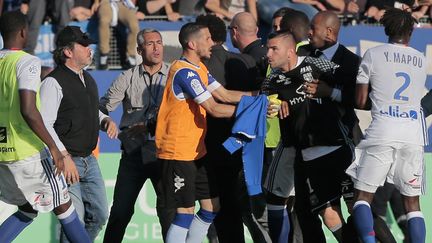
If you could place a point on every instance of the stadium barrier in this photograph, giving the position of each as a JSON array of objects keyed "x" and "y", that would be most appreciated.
[{"x": 144, "y": 226}]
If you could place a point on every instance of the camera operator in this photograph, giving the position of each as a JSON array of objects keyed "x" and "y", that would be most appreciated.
[{"x": 140, "y": 91}]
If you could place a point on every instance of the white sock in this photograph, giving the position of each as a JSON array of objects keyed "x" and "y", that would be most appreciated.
[
  {"x": 197, "y": 231},
  {"x": 68, "y": 212},
  {"x": 176, "y": 234}
]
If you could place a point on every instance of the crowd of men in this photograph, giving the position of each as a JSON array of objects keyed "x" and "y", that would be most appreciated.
[{"x": 266, "y": 138}]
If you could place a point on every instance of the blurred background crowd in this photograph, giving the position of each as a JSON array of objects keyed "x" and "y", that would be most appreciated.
[{"x": 123, "y": 17}]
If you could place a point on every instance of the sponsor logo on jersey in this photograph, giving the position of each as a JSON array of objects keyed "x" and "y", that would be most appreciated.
[
  {"x": 3, "y": 139},
  {"x": 308, "y": 77},
  {"x": 300, "y": 90},
  {"x": 414, "y": 182},
  {"x": 8, "y": 150},
  {"x": 306, "y": 72},
  {"x": 33, "y": 69},
  {"x": 302, "y": 98},
  {"x": 3, "y": 135},
  {"x": 45, "y": 202},
  {"x": 298, "y": 99},
  {"x": 196, "y": 86},
  {"x": 37, "y": 198},
  {"x": 178, "y": 182},
  {"x": 190, "y": 75},
  {"x": 305, "y": 69},
  {"x": 282, "y": 79},
  {"x": 395, "y": 111},
  {"x": 42, "y": 200}
]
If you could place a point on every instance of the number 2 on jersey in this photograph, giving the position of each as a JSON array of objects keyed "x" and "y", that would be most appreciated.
[{"x": 407, "y": 81}]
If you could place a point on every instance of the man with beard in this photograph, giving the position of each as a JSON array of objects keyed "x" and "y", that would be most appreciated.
[
  {"x": 322, "y": 152},
  {"x": 181, "y": 127},
  {"x": 234, "y": 71},
  {"x": 70, "y": 108}
]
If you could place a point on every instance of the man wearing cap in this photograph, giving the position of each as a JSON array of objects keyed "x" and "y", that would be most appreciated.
[{"x": 70, "y": 101}]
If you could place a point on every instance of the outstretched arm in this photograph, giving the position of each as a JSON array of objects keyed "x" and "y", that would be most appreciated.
[
  {"x": 218, "y": 110},
  {"x": 230, "y": 96}
]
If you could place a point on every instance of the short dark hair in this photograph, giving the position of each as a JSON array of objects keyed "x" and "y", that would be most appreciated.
[
  {"x": 187, "y": 31},
  {"x": 11, "y": 23},
  {"x": 282, "y": 12},
  {"x": 294, "y": 18},
  {"x": 280, "y": 33},
  {"x": 58, "y": 54},
  {"x": 398, "y": 23},
  {"x": 215, "y": 25},
  {"x": 297, "y": 22}
]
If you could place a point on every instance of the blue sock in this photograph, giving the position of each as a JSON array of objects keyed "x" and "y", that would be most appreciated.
[
  {"x": 199, "y": 227},
  {"x": 179, "y": 228},
  {"x": 278, "y": 222},
  {"x": 416, "y": 227},
  {"x": 363, "y": 221},
  {"x": 206, "y": 216},
  {"x": 13, "y": 226},
  {"x": 72, "y": 227}
]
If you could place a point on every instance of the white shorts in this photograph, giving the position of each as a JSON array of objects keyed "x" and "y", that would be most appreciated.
[
  {"x": 398, "y": 163},
  {"x": 280, "y": 175},
  {"x": 33, "y": 181}
]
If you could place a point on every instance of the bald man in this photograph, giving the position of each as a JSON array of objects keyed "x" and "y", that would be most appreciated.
[
  {"x": 243, "y": 31},
  {"x": 323, "y": 37},
  {"x": 244, "y": 36}
]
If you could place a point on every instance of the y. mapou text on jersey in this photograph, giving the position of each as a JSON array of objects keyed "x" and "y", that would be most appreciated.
[{"x": 397, "y": 76}]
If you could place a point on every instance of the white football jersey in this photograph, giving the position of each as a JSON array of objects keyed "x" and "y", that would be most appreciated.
[{"x": 397, "y": 76}]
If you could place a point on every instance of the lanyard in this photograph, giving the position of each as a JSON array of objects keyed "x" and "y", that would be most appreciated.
[{"x": 154, "y": 96}]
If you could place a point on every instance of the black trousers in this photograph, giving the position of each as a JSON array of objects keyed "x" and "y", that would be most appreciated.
[
  {"x": 236, "y": 205},
  {"x": 228, "y": 222},
  {"x": 133, "y": 172},
  {"x": 310, "y": 223}
]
